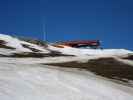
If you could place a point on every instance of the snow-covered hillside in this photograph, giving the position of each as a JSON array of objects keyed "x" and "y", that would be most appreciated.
[
  {"x": 31, "y": 76},
  {"x": 24, "y": 81},
  {"x": 10, "y": 45}
]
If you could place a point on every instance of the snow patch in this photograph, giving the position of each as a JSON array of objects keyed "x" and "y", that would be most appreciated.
[{"x": 20, "y": 81}]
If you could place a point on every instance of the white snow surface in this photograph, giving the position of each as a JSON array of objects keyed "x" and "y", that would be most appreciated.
[
  {"x": 23, "y": 81},
  {"x": 17, "y": 44},
  {"x": 13, "y": 42},
  {"x": 94, "y": 52}
]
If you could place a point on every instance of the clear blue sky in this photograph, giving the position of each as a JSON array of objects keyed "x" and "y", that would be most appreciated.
[{"x": 110, "y": 21}]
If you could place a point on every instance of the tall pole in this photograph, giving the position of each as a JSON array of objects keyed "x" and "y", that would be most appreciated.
[
  {"x": 44, "y": 32},
  {"x": 44, "y": 26}
]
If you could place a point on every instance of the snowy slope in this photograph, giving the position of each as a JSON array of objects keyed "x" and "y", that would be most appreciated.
[
  {"x": 18, "y": 45},
  {"x": 22, "y": 81},
  {"x": 94, "y": 52},
  {"x": 23, "y": 46},
  {"x": 13, "y": 42},
  {"x": 29, "y": 79}
]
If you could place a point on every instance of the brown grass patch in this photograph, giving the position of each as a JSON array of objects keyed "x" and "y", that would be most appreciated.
[
  {"x": 106, "y": 67},
  {"x": 130, "y": 57}
]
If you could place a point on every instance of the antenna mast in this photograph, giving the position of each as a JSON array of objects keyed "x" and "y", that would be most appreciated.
[{"x": 44, "y": 32}]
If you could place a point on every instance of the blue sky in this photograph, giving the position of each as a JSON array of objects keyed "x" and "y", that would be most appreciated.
[{"x": 110, "y": 21}]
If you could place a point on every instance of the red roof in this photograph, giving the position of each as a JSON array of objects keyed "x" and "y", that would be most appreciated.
[{"x": 84, "y": 42}]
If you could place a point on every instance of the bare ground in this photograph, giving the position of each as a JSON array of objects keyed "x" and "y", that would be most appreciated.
[
  {"x": 106, "y": 67},
  {"x": 130, "y": 57}
]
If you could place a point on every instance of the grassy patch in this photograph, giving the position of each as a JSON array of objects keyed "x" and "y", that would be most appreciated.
[
  {"x": 34, "y": 55},
  {"x": 34, "y": 41},
  {"x": 31, "y": 48},
  {"x": 130, "y": 57},
  {"x": 106, "y": 67}
]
